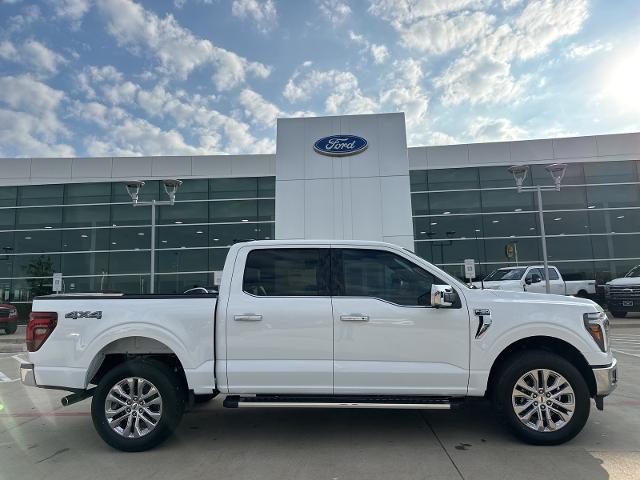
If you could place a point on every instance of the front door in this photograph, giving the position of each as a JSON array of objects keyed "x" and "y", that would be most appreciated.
[
  {"x": 279, "y": 322},
  {"x": 388, "y": 338}
]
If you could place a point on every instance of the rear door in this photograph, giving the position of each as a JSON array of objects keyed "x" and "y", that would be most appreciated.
[
  {"x": 279, "y": 321},
  {"x": 388, "y": 338}
]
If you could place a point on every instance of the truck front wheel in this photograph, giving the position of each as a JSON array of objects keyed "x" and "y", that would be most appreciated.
[
  {"x": 543, "y": 398},
  {"x": 137, "y": 405}
]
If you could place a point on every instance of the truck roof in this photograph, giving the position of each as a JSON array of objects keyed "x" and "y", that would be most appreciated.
[
  {"x": 525, "y": 266},
  {"x": 318, "y": 242}
]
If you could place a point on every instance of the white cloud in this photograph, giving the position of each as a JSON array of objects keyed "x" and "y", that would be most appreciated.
[
  {"x": 581, "y": 51},
  {"x": 262, "y": 12},
  {"x": 379, "y": 53},
  {"x": 29, "y": 15},
  {"x": 336, "y": 12},
  {"x": 73, "y": 10},
  {"x": 259, "y": 110},
  {"x": 484, "y": 129},
  {"x": 341, "y": 90},
  {"x": 405, "y": 93},
  {"x": 29, "y": 123},
  {"x": 32, "y": 54},
  {"x": 175, "y": 47}
]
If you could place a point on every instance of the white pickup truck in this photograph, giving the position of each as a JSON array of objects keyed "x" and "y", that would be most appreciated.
[
  {"x": 530, "y": 278},
  {"x": 332, "y": 324},
  {"x": 623, "y": 294}
]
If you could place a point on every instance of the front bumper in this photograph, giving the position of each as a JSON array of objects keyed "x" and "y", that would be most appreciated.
[
  {"x": 27, "y": 376},
  {"x": 606, "y": 379}
]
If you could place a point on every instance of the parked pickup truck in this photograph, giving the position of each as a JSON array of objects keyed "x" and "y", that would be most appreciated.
[
  {"x": 333, "y": 324},
  {"x": 623, "y": 294},
  {"x": 531, "y": 279}
]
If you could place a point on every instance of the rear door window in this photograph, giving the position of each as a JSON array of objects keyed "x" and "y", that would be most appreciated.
[{"x": 287, "y": 272}]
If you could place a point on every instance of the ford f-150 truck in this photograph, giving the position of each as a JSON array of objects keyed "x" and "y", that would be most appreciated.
[
  {"x": 623, "y": 294},
  {"x": 531, "y": 279},
  {"x": 333, "y": 324}
]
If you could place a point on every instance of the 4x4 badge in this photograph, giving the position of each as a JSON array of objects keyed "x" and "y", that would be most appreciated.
[{"x": 76, "y": 315}]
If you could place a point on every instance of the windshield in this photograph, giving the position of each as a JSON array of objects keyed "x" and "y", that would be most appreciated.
[
  {"x": 634, "y": 272},
  {"x": 508, "y": 274}
]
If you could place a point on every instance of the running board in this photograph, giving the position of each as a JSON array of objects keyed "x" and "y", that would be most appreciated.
[{"x": 397, "y": 403}]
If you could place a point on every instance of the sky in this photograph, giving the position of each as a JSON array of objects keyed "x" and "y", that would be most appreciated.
[{"x": 194, "y": 77}]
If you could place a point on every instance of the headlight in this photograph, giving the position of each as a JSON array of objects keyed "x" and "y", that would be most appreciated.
[
  {"x": 13, "y": 312},
  {"x": 597, "y": 324}
]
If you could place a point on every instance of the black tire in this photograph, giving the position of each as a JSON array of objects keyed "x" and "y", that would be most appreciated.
[
  {"x": 618, "y": 314},
  {"x": 519, "y": 365},
  {"x": 204, "y": 397},
  {"x": 11, "y": 328},
  {"x": 170, "y": 388}
]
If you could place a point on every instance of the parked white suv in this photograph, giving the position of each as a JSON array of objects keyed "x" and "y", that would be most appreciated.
[{"x": 323, "y": 324}]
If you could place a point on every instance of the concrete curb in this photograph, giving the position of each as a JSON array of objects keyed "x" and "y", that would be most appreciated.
[{"x": 12, "y": 348}]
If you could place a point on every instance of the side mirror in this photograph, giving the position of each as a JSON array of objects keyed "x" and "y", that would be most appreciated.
[
  {"x": 442, "y": 296},
  {"x": 528, "y": 281},
  {"x": 535, "y": 278}
]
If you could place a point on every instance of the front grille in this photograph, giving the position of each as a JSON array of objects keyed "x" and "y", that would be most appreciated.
[
  {"x": 4, "y": 313},
  {"x": 627, "y": 291}
]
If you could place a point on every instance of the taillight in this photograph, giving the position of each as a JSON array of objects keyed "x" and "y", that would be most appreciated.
[{"x": 40, "y": 326}]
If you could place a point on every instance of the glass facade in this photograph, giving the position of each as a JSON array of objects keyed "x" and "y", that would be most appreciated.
[
  {"x": 93, "y": 235},
  {"x": 592, "y": 223}
]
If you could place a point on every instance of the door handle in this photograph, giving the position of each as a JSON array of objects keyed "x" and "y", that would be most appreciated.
[
  {"x": 354, "y": 317},
  {"x": 249, "y": 317}
]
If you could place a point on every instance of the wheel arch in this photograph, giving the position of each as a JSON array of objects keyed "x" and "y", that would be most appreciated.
[{"x": 544, "y": 343}]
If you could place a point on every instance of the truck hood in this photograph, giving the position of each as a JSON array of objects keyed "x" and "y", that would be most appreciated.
[
  {"x": 500, "y": 285},
  {"x": 527, "y": 297},
  {"x": 625, "y": 281}
]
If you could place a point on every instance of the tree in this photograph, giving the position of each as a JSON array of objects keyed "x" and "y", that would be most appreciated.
[{"x": 41, "y": 272}]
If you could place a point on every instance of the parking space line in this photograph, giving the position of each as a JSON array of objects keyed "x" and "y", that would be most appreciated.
[
  {"x": 5, "y": 379},
  {"x": 626, "y": 353}
]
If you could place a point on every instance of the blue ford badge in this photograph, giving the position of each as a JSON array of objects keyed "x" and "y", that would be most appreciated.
[{"x": 340, "y": 145}]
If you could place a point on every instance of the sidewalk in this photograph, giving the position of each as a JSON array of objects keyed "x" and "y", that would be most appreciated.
[{"x": 13, "y": 343}]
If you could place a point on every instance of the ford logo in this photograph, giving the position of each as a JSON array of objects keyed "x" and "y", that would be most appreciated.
[{"x": 340, "y": 145}]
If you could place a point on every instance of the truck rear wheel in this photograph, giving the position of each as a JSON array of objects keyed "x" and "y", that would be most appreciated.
[
  {"x": 137, "y": 405},
  {"x": 543, "y": 398}
]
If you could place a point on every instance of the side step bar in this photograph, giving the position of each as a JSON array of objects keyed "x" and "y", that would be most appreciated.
[{"x": 397, "y": 403}]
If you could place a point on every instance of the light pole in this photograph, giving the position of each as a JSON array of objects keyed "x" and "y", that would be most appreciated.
[
  {"x": 556, "y": 170},
  {"x": 133, "y": 189}
]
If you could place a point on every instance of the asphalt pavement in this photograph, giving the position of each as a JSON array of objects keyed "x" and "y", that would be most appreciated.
[{"x": 41, "y": 439}]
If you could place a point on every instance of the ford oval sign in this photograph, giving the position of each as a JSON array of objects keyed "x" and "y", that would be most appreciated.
[{"x": 340, "y": 145}]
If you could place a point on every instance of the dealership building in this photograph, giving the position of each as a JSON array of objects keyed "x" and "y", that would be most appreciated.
[{"x": 447, "y": 203}]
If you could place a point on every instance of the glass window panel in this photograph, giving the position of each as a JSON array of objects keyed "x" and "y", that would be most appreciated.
[
  {"x": 38, "y": 241},
  {"x": 87, "y": 193},
  {"x": 509, "y": 225},
  {"x": 8, "y": 196},
  {"x": 493, "y": 177},
  {"x": 233, "y": 188},
  {"x": 39, "y": 217},
  {"x": 613, "y": 196},
  {"x": 528, "y": 250},
  {"x": 574, "y": 175},
  {"x": 453, "y": 179},
  {"x": 455, "y": 251},
  {"x": 610, "y": 172},
  {"x": 383, "y": 275},
  {"x": 234, "y": 211},
  {"x": 566, "y": 198},
  {"x": 217, "y": 257},
  {"x": 266, "y": 210},
  {"x": 191, "y": 190},
  {"x": 291, "y": 272},
  {"x": 420, "y": 203},
  {"x": 36, "y": 265},
  {"x": 620, "y": 221},
  {"x": 182, "y": 236},
  {"x": 6, "y": 263},
  {"x": 266, "y": 187},
  {"x": 86, "y": 239},
  {"x": 90, "y": 263},
  {"x": 239, "y": 232},
  {"x": 130, "y": 238},
  {"x": 130, "y": 215},
  {"x": 447, "y": 226},
  {"x": 558, "y": 223},
  {"x": 129, "y": 262},
  {"x": 182, "y": 260},
  {"x": 7, "y": 219},
  {"x": 616, "y": 246},
  {"x": 569, "y": 248},
  {"x": 423, "y": 249},
  {"x": 40, "y": 195},
  {"x": 171, "y": 284},
  {"x": 149, "y": 191},
  {"x": 182, "y": 213},
  {"x": 454, "y": 202},
  {"x": 507, "y": 201},
  {"x": 576, "y": 270},
  {"x": 418, "y": 180},
  {"x": 130, "y": 284},
  {"x": 98, "y": 215}
]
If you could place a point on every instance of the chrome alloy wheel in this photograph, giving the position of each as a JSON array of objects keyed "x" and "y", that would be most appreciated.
[
  {"x": 133, "y": 407},
  {"x": 543, "y": 400}
]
